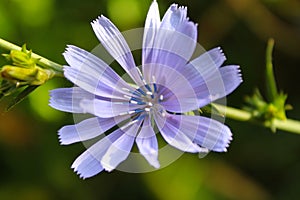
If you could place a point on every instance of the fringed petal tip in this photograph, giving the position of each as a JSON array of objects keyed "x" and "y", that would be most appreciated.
[
  {"x": 224, "y": 145},
  {"x": 217, "y": 56},
  {"x": 182, "y": 12},
  {"x": 221, "y": 52},
  {"x": 102, "y": 22},
  {"x": 107, "y": 167},
  {"x": 81, "y": 175},
  {"x": 69, "y": 48},
  {"x": 55, "y": 101},
  {"x": 231, "y": 76},
  {"x": 96, "y": 21},
  {"x": 175, "y": 8},
  {"x": 62, "y": 138},
  {"x": 85, "y": 169},
  {"x": 239, "y": 74}
]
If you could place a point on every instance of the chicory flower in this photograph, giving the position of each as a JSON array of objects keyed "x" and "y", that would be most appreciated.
[{"x": 163, "y": 90}]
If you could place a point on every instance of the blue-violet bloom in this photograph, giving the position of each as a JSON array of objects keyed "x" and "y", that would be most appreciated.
[{"x": 165, "y": 88}]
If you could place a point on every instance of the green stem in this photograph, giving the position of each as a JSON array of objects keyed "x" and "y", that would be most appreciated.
[
  {"x": 44, "y": 62},
  {"x": 270, "y": 79},
  {"x": 289, "y": 125}
]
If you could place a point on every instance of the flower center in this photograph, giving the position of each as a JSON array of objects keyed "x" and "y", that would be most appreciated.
[{"x": 146, "y": 95}]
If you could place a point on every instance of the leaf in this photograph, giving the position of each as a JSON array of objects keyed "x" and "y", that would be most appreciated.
[{"x": 21, "y": 96}]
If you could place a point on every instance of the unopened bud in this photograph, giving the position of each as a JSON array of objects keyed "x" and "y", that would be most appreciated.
[
  {"x": 21, "y": 58},
  {"x": 26, "y": 76}
]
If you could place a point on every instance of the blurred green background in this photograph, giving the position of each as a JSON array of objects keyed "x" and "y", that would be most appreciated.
[{"x": 259, "y": 164}]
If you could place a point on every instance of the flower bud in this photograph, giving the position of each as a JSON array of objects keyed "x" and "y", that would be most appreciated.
[
  {"x": 24, "y": 69},
  {"x": 26, "y": 76},
  {"x": 21, "y": 58}
]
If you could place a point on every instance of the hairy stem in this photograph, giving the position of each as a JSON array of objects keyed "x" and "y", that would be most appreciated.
[
  {"x": 289, "y": 125},
  {"x": 270, "y": 79}
]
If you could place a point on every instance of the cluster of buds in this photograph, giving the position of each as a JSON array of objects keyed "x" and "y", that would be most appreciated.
[
  {"x": 261, "y": 109},
  {"x": 22, "y": 71},
  {"x": 274, "y": 106}
]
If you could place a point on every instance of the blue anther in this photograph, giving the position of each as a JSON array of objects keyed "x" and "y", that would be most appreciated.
[
  {"x": 139, "y": 110},
  {"x": 148, "y": 88},
  {"x": 137, "y": 94},
  {"x": 155, "y": 87},
  {"x": 137, "y": 100},
  {"x": 141, "y": 91}
]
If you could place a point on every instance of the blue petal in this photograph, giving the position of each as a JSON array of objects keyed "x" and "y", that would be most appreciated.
[
  {"x": 147, "y": 143},
  {"x": 120, "y": 148},
  {"x": 177, "y": 92},
  {"x": 68, "y": 99},
  {"x": 92, "y": 74},
  {"x": 87, "y": 129},
  {"x": 204, "y": 66},
  {"x": 208, "y": 61},
  {"x": 174, "y": 136},
  {"x": 216, "y": 55},
  {"x": 219, "y": 84},
  {"x": 206, "y": 132},
  {"x": 93, "y": 85},
  {"x": 209, "y": 80},
  {"x": 88, "y": 163},
  {"x": 153, "y": 18},
  {"x": 83, "y": 60},
  {"x": 231, "y": 77},
  {"x": 198, "y": 83},
  {"x": 112, "y": 39},
  {"x": 174, "y": 42},
  {"x": 151, "y": 27},
  {"x": 107, "y": 109}
]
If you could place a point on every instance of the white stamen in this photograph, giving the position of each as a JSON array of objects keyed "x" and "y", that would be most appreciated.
[
  {"x": 153, "y": 79},
  {"x": 133, "y": 102},
  {"x": 141, "y": 75},
  {"x": 134, "y": 86},
  {"x": 130, "y": 123},
  {"x": 147, "y": 109},
  {"x": 139, "y": 71},
  {"x": 127, "y": 113},
  {"x": 149, "y": 93},
  {"x": 154, "y": 84},
  {"x": 163, "y": 114},
  {"x": 126, "y": 89},
  {"x": 161, "y": 97},
  {"x": 131, "y": 112},
  {"x": 150, "y": 104},
  {"x": 126, "y": 96},
  {"x": 144, "y": 81}
]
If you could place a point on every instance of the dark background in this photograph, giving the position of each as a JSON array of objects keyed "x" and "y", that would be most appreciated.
[{"x": 259, "y": 164}]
